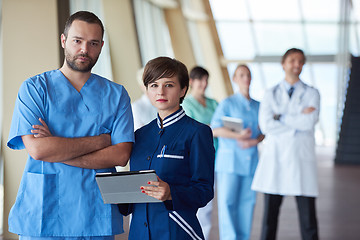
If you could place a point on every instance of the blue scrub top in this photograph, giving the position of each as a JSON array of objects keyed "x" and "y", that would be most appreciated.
[
  {"x": 182, "y": 154},
  {"x": 230, "y": 157},
  {"x": 55, "y": 199}
]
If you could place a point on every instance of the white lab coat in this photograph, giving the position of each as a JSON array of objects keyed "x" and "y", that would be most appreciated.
[
  {"x": 143, "y": 111},
  {"x": 287, "y": 165}
]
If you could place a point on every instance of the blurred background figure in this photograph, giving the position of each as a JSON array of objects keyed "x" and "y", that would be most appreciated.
[
  {"x": 201, "y": 108},
  {"x": 288, "y": 114},
  {"x": 236, "y": 159},
  {"x": 143, "y": 111}
]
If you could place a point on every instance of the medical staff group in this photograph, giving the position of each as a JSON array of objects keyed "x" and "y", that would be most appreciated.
[{"x": 74, "y": 124}]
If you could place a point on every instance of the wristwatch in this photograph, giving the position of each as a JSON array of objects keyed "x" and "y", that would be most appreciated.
[{"x": 277, "y": 117}]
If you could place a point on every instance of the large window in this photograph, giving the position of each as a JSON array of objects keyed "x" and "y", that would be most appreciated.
[
  {"x": 153, "y": 33},
  {"x": 258, "y": 32}
]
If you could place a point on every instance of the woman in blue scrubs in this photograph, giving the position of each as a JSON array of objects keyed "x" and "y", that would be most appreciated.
[
  {"x": 236, "y": 159},
  {"x": 181, "y": 152}
]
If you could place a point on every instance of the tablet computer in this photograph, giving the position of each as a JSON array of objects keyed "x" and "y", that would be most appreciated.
[
  {"x": 234, "y": 124},
  {"x": 124, "y": 187}
]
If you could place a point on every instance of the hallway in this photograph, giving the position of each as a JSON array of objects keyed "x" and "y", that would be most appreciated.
[{"x": 338, "y": 205}]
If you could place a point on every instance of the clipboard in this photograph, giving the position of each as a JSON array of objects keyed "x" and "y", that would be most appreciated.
[
  {"x": 124, "y": 187},
  {"x": 234, "y": 124}
]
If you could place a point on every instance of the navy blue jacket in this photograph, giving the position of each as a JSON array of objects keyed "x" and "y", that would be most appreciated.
[{"x": 182, "y": 154}]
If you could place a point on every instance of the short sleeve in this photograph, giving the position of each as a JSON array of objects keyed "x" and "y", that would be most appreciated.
[
  {"x": 29, "y": 107},
  {"x": 123, "y": 127},
  {"x": 220, "y": 111}
]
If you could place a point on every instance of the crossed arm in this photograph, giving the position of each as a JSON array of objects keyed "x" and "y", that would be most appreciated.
[{"x": 94, "y": 152}]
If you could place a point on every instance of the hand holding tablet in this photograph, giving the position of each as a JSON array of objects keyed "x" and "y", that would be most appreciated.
[{"x": 124, "y": 187}]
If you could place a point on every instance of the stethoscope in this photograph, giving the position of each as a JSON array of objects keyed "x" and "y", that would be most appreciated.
[{"x": 278, "y": 98}]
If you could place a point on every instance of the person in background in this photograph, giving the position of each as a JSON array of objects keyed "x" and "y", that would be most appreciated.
[
  {"x": 236, "y": 159},
  {"x": 143, "y": 111},
  {"x": 73, "y": 124},
  {"x": 181, "y": 152},
  {"x": 288, "y": 114},
  {"x": 201, "y": 108}
]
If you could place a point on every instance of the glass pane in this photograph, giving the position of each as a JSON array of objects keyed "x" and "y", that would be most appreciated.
[
  {"x": 273, "y": 73},
  {"x": 355, "y": 39},
  {"x": 356, "y": 10},
  {"x": 153, "y": 34},
  {"x": 229, "y": 10},
  {"x": 326, "y": 82},
  {"x": 275, "y": 39},
  {"x": 236, "y": 40},
  {"x": 321, "y": 10},
  {"x": 322, "y": 38},
  {"x": 274, "y": 10},
  {"x": 257, "y": 87},
  {"x": 263, "y": 76}
]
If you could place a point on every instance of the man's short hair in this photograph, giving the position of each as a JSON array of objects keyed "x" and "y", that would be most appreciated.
[
  {"x": 85, "y": 16},
  {"x": 293, "y": 50}
]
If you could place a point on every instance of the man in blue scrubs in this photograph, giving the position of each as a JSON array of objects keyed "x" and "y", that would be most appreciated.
[{"x": 73, "y": 124}]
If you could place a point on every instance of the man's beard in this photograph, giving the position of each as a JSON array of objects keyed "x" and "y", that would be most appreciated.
[{"x": 71, "y": 62}]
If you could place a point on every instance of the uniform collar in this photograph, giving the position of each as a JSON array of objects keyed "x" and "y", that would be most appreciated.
[
  {"x": 243, "y": 99},
  {"x": 288, "y": 86},
  {"x": 172, "y": 118}
]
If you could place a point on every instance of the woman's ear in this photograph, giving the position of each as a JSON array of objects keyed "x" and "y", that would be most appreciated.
[{"x": 183, "y": 91}]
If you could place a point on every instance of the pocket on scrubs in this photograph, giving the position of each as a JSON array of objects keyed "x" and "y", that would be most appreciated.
[{"x": 40, "y": 196}]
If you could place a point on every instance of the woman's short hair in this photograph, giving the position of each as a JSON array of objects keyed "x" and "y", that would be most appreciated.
[
  {"x": 165, "y": 67},
  {"x": 291, "y": 51},
  {"x": 198, "y": 72}
]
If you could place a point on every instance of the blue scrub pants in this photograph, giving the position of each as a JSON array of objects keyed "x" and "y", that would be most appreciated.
[
  {"x": 67, "y": 238},
  {"x": 236, "y": 202}
]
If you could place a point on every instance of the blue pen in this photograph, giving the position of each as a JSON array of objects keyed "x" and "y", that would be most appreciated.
[{"x": 162, "y": 153}]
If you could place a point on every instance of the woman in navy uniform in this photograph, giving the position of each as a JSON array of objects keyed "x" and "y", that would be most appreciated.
[{"x": 181, "y": 152}]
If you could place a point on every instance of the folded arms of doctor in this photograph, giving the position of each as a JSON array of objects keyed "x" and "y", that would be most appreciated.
[
  {"x": 87, "y": 152},
  {"x": 272, "y": 122}
]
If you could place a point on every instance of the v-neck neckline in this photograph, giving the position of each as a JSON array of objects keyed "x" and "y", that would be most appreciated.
[{"x": 70, "y": 85}]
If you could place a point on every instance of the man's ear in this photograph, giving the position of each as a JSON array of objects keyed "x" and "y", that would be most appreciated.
[
  {"x": 62, "y": 40},
  {"x": 191, "y": 81}
]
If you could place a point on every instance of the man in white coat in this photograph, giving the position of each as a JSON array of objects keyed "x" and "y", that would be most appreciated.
[{"x": 287, "y": 165}]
